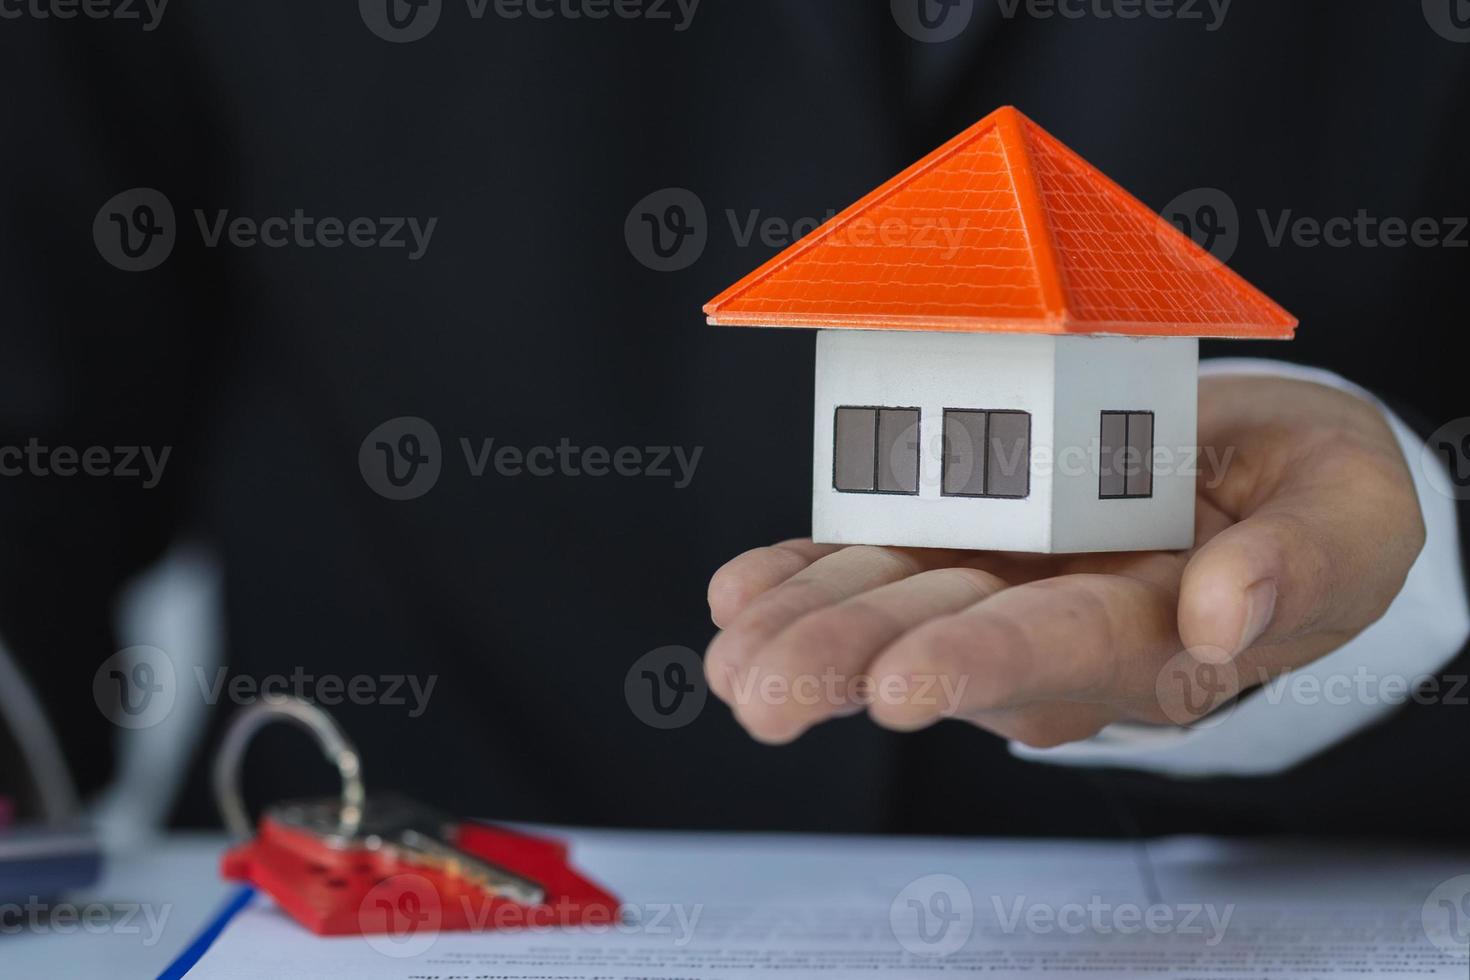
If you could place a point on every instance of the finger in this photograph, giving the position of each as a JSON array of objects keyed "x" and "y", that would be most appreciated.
[
  {"x": 1048, "y": 724},
  {"x": 746, "y": 576},
  {"x": 1324, "y": 551},
  {"x": 814, "y": 669},
  {"x": 1074, "y": 638},
  {"x": 826, "y": 581}
]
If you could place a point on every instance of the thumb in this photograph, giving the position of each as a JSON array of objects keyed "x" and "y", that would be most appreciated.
[{"x": 1325, "y": 552}]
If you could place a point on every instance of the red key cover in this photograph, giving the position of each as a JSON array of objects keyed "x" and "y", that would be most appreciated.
[{"x": 345, "y": 893}]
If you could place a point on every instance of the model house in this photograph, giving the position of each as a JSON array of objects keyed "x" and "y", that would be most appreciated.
[{"x": 1007, "y": 353}]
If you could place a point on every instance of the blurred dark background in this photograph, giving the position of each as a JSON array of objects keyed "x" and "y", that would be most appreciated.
[{"x": 530, "y": 318}]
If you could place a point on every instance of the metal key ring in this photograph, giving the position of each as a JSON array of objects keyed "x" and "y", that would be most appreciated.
[{"x": 335, "y": 745}]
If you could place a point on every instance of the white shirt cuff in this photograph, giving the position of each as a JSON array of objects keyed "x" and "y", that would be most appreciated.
[{"x": 1314, "y": 707}]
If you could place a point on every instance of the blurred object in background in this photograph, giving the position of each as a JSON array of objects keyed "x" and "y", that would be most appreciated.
[
  {"x": 172, "y": 611},
  {"x": 44, "y": 849}
]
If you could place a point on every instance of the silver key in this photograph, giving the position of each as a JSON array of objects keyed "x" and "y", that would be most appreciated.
[{"x": 411, "y": 832}]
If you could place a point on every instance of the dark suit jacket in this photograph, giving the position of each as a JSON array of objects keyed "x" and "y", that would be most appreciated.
[{"x": 530, "y": 319}]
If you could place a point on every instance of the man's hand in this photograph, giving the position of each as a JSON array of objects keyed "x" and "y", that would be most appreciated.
[{"x": 1301, "y": 543}]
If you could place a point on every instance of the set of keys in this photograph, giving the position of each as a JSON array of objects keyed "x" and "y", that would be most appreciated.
[{"x": 348, "y": 866}]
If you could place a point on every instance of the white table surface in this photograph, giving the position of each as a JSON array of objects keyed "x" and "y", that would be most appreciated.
[{"x": 177, "y": 878}]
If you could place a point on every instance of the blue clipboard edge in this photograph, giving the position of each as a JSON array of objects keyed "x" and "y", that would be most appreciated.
[{"x": 195, "y": 950}]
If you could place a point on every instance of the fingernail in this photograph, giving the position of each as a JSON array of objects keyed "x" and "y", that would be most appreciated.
[{"x": 1260, "y": 605}]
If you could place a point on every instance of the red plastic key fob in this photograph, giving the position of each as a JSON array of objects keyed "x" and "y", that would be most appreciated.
[{"x": 337, "y": 890}]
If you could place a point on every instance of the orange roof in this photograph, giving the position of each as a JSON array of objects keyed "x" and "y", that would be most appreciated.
[{"x": 1002, "y": 229}]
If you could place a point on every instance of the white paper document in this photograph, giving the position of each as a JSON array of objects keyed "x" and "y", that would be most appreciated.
[{"x": 706, "y": 907}]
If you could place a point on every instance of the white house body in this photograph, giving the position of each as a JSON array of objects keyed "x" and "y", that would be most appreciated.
[{"x": 1012, "y": 442}]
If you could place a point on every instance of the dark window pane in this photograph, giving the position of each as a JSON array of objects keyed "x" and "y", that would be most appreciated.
[
  {"x": 987, "y": 454},
  {"x": 853, "y": 443},
  {"x": 1113, "y": 483},
  {"x": 1008, "y": 455},
  {"x": 1141, "y": 454},
  {"x": 964, "y": 471},
  {"x": 898, "y": 450}
]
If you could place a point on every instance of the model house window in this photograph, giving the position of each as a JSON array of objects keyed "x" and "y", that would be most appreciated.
[
  {"x": 1126, "y": 464},
  {"x": 987, "y": 454},
  {"x": 876, "y": 450}
]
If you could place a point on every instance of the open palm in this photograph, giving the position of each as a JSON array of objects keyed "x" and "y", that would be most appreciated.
[{"x": 1301, "y": 543}]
